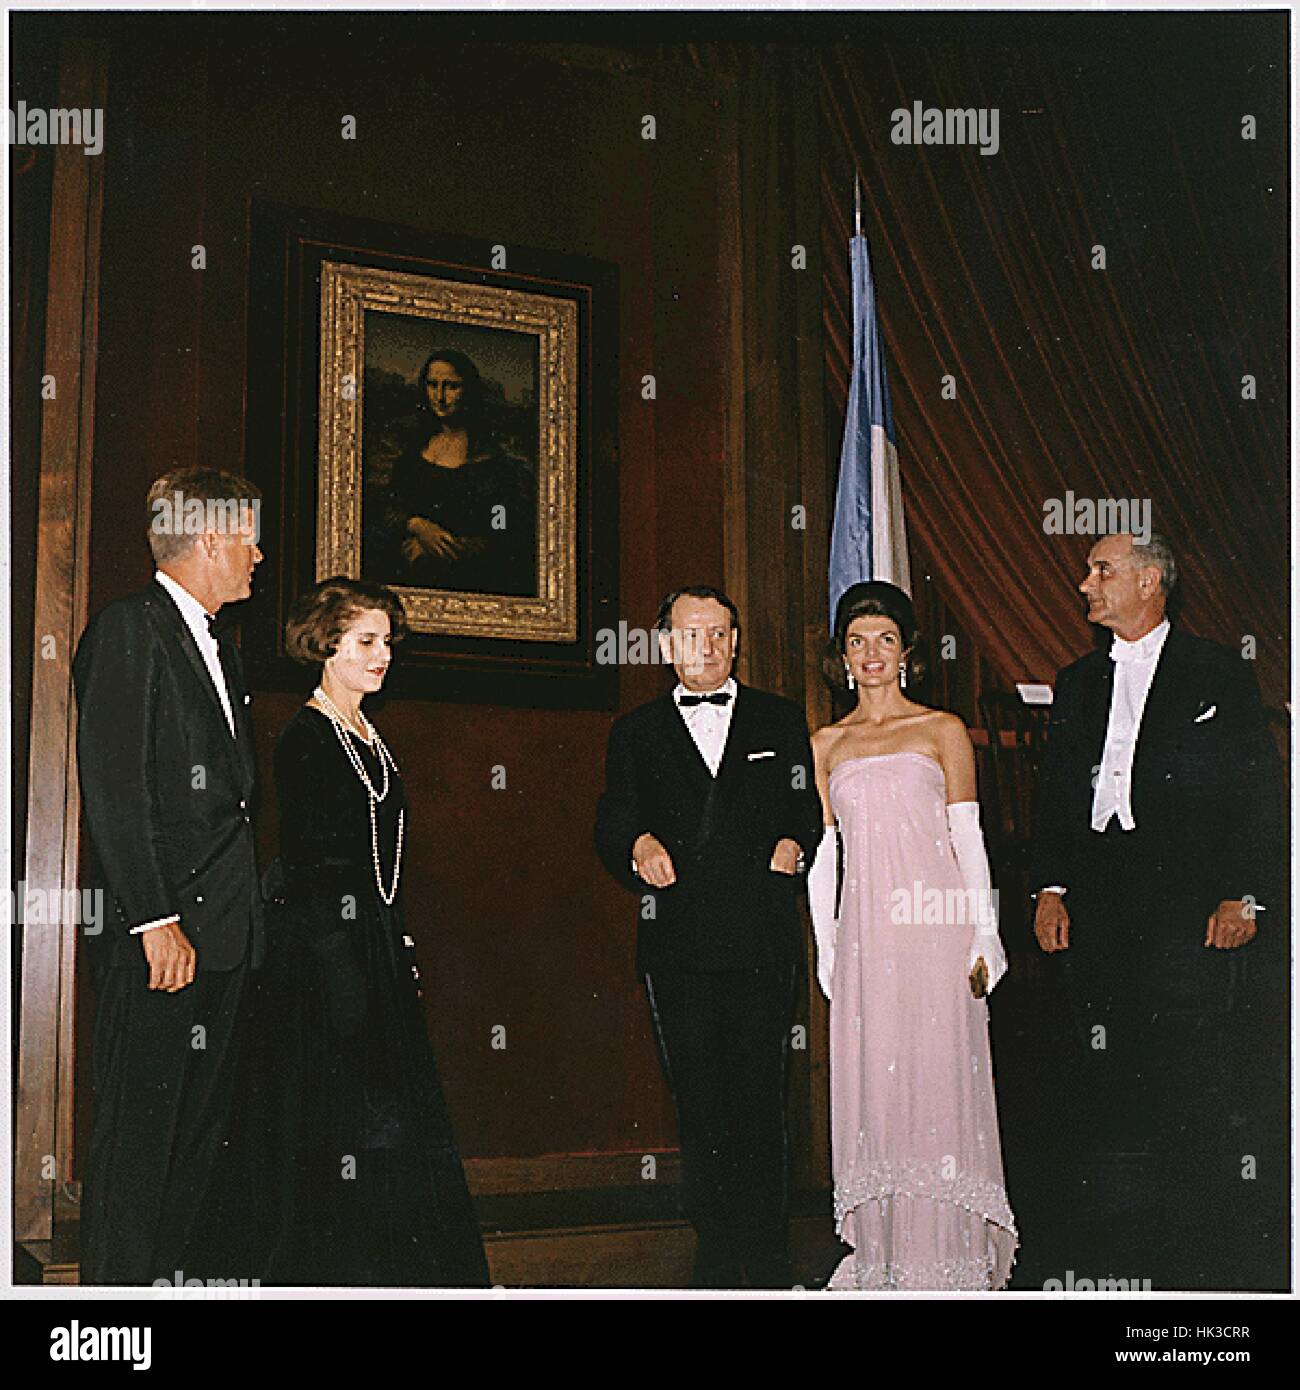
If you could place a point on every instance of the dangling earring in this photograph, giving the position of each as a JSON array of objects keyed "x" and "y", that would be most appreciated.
[
  {"x": 902, "y": 677},
  {"x": 849, "y": 674}
]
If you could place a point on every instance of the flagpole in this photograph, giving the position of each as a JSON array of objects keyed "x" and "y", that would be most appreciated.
[{"x": 857, "y": 205}]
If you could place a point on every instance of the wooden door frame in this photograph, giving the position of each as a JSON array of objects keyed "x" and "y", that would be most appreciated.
[{"x": 45, "y": 1032}]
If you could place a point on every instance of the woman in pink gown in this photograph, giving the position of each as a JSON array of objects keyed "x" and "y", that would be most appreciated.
[{"x": 916, "y": 1157}]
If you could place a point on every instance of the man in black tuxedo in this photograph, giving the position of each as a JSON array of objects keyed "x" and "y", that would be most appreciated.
[
  {"x": 708, "y": 812},
  {"x": 166, "y": 761},
  {"x": 1155, "y": 846}
]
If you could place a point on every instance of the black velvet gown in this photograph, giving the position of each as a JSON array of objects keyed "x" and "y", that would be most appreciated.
[{"x": 362, "y": 1182}]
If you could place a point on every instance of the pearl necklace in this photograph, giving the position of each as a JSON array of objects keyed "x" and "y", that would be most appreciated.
[{"x": 341, "y": 728}]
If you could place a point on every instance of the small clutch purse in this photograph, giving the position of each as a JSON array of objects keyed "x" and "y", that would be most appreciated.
[{"x": 979, "y": 979}]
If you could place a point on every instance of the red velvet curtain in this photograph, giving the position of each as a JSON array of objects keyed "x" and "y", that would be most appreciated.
[{"x": 1123, "y": 131}]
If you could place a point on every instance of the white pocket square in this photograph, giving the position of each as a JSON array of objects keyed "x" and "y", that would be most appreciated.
[
  {"x": 248, "y": 699},
  {"x": 1209, "y": 714},
  {"x": 766, "y": 753}
]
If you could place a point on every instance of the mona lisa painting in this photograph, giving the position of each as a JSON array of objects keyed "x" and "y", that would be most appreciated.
[
  {"x": 451, "y": 480},
  {"x": 439, "y": 414},
  {"x": 448, "y": 424}
]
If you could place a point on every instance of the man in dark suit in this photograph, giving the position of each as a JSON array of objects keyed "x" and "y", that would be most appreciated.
[
  {"x": 708, "y": 812},
  {"x": 166, "y": 762},
  {"x": 1155, "y": 847}
]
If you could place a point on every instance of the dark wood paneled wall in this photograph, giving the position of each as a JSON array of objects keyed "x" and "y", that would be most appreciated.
[
  {"x": 517, "y": 924},
  {"x": 778, "y": 489}
]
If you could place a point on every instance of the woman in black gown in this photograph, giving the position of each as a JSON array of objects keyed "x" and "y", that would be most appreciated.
[{"x": 364, "y": 1183}]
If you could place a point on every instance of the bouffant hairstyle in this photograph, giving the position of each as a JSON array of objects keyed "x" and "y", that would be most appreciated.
[
  {"x": 873, "y": 599},
  {"x": 320, "y": 616}
]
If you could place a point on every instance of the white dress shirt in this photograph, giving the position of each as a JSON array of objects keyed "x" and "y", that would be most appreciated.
[
  {"x": 1135, "y": 666},
  {"x": 196, "y": 619},
  {"x": 709, "y": 725}
]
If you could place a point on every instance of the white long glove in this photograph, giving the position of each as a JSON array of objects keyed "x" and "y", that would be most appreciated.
[
  {"x": 822, "y": 883},
  {"x": 968, "y": 849}
]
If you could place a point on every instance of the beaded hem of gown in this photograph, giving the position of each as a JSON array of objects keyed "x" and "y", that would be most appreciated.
[{"x": 918, "y": 1181}]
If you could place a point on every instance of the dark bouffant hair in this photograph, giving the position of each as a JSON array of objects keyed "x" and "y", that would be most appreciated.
[
  {"x": 874, "y": 598},
  {"x": 320, "y": 615}
]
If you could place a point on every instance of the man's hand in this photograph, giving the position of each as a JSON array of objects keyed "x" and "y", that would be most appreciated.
[
  {"x": 653, "y": 863},
  {"x": 170, "y": 957},
  {"x": 785, "y": 857},
  {"x": 1052, "y": 923},
  {"x": 1230, "y": 925}
]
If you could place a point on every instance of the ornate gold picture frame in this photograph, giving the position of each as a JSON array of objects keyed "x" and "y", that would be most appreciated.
[
  {"x": 355, "y": 476},
  {"x": 440, "y": 415}
]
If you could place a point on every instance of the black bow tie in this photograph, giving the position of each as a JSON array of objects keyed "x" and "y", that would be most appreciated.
[
  {"x": 719, "y": 698},
  {"x": 218, "y": 624}
]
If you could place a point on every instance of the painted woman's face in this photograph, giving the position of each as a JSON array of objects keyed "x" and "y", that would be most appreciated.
[{"x": 444, "y": 387}]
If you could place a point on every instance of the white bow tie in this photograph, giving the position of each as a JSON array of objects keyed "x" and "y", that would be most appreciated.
[{"x": 1129, "y": 651}]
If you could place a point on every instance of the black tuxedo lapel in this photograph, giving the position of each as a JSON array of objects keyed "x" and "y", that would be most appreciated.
[
  {"x": 179, "y": 635},
  {"x": 739, "y": 733},
  {"x": 1162, "y": 699},
  {"x": 738, "y": 736},
  {"x": 688, "y": 759},
  {"x": 233, "y": 667},
  {"x": 698, "y": 780},
  {"x": 1098, "y": 687},
  {"x": 1158, "y": 713}
]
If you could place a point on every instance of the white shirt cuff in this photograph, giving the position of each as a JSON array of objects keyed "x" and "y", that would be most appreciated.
[{"x": 149, "y": 926}]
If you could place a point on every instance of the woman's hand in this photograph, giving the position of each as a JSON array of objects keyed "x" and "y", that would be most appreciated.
[{"x": 428, "y": 538}]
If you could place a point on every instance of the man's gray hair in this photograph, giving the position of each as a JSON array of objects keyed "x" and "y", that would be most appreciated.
[
  {"x": 1158, "y": 552},
  {"x": 184, "y": 502}
]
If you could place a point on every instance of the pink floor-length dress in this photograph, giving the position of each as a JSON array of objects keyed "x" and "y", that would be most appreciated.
[{"x": 919, "y": 1189}]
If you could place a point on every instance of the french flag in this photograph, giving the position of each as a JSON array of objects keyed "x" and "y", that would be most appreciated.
[{"x": 868, "y": 537}]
